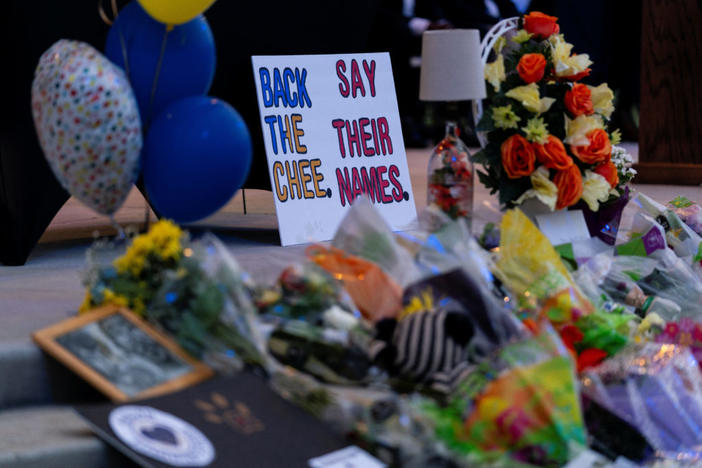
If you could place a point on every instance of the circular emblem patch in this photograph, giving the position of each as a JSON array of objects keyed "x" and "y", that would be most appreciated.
[{"x": 161, "y": 436}]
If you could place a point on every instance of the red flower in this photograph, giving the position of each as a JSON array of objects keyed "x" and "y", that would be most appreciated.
[
  {"x": 672, "y": 329},
  {"x": 570, "y": 186},
  {"x": 570, "y": 334},
  {"x": 590, "y": 358},
  {"x": 599, "y": 148},
  {"x": 541, "y": 25},
  {"x": 518, "y": 157},
  {"x": 697, "y": 333},
  {"x": 578, "y": 100},
  {"x": 609, "y": 171},
  {"x": 552, "y": 154},
  {"x": 531, "y": 67}
]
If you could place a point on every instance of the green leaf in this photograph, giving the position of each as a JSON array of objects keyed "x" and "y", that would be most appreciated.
[
  {"x": 192, "y": 330},
  {"x": 511, "y": 189},
  {"x": 681, "y": 202},
  {"x": 480, "y": 157},
  {"x": 487, "y": 181},
  {"x": 486, "y": 123}
]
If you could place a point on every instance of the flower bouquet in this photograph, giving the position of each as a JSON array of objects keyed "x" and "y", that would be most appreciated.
[
  {"x": 546, "y": 134},
  {"x": 194, "y": 291}
]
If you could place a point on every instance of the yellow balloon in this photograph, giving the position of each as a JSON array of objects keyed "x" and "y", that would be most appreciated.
[{"x": 174, "y": 12}]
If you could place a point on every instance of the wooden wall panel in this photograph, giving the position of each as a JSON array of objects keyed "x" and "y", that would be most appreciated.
[{"x": 670, "y": 134}]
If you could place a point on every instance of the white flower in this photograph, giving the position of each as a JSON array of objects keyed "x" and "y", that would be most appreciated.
[
  {"x": 495, "y": 72},
  {"x": 566, "y": 63},
  {"x": 578, "y": 129},
  {"x": 602, "y": 99},
  {"x": 595, "y": 190},
  {"x": 529, "y": 97},
  {"x": 543, "y": 189}
]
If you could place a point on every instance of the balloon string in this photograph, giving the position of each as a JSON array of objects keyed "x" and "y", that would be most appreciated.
[
  {"x": 125, "y": 56},
  {"x": 157, "y": 74},
  {"x": 103, "y": 14}
]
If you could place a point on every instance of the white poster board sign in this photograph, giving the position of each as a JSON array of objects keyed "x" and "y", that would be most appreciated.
[{"x": 331, "y": 130}]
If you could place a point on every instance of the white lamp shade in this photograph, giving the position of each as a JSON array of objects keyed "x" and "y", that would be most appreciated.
[{"x": 451, "y": 66}]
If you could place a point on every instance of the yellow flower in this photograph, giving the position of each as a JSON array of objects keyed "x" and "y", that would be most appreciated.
[
  {"x": 651, "y": 320},
  {"x": 110, "y": 297},
  {"x": 491, "y": 407},
  {"x": 505, "y": 117},
  {"x": 162, "y": 241},
  {"x": 578, "y": 128},
  {"x": 602, "y": 98},
  {"x": 495, "y": 72},
  {"x": 616, "y": 137},
  {"x": 595, "y": 190},
  {"x": 87, "y": 304},
  {"x": 566, "y": 63},
  {"x": 521, "y": 37},
  {"x": 528, "y": 96},
  {"x": 536, "y": 130},
  {"x": 138, "y": 306},
  {"x": 542, "y": 188},
  {"x": 500, "y": 44}
]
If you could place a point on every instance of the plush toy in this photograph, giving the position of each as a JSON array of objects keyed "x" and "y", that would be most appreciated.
[{"x": 446, "y": 324}]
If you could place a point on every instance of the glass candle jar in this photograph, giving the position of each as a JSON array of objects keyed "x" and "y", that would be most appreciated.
[{"x": 450, "y": 177}]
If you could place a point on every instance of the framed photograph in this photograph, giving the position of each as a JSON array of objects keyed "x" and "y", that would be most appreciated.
[{"x": 121, "y": 355}]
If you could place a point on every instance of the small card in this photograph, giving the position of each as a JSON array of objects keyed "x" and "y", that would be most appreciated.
[
  {"x": 349, "y": 457},
  {"x": 563, "y": 226}
]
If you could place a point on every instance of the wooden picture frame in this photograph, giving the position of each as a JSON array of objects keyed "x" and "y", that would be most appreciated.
[{"x": 74, "y": 341}]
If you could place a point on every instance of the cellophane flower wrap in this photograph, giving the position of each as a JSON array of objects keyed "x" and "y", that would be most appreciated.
[
  {"x": 547, "y": 133},
  {"x": 522, "y": 403},
  {"x": 194, "y": 291},
  {"x": 657, "y": 388}
]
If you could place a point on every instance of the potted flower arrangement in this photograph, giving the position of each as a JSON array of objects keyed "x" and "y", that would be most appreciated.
[{"x": 547, "y": 135}]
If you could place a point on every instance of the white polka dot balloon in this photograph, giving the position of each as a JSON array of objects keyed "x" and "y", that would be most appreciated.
[{"x": 88, "y": 124}]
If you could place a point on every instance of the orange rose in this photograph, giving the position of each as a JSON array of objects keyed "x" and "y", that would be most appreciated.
[
  {"x": 599, "y": 150},
  {"x": 517, "y": 157},
  {"x": 578, "y": 100},
  {"x": 541, "y": 25},
  {"x": 531, "y": 67},
  {"x": 552, "y": 154},
  {"x": 609, "y": 171},
  {"x": 570, "y": 186}
]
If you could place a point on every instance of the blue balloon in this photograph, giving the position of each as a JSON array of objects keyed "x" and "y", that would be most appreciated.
[
  {"x": 196, "y": 155},
  {"x": 187, "y": 66}
]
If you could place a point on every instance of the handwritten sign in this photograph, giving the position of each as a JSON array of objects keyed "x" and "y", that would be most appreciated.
[{"x": 332, "y": 132}]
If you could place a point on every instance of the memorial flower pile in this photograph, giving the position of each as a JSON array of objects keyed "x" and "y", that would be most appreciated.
[
  {"x": 547, "y": 133},
  {"x": 431, "y": 347}
]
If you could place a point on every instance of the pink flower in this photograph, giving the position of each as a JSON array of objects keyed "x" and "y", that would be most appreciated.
[
  {"x": 687, "y": 324},
  {"x": 515, "y": 422}
]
